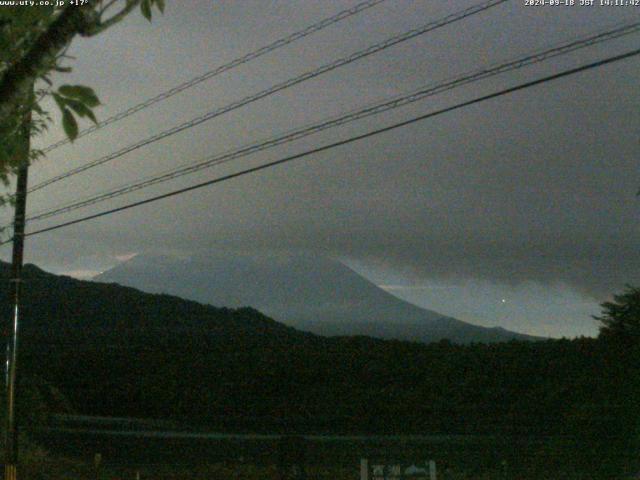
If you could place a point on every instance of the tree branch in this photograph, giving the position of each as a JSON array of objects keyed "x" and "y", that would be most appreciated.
[
  {"x": 42, "y": 55},
  {"x": 74, "y": 20},
  {"x": 101, "y": 26},
  {"x": 106, "y": 7}
]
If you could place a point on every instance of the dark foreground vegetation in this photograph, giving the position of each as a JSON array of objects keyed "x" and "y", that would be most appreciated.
[{"x": 103, "y": 349}]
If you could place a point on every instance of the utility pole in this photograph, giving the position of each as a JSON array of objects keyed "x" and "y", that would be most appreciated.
[{"x": 11, "y": 428}]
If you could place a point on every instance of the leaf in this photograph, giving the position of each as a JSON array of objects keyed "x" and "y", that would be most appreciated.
[
  {"x": 85, "y": 94},
  {"x": 62, "y": 69},
  {"x": 59, "y": 100},
  {"x": 81, "y": 109},
  {"x": 69, "y": 124},
  {"x": 145, "y": 8},
  {"x": 160, "y": 4}
]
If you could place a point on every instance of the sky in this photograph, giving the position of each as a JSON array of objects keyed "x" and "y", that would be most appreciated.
[{"x": 519, "y": 212}]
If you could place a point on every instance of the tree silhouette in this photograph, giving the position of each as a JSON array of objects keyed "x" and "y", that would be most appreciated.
[
  {"x": 620, "y": 318},
  {"x": 33, "y": 45}
]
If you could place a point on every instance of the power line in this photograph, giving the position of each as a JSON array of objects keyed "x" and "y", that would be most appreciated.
[
  {"x": 464, "y": 79},
  {"x": 330, "y": 146},
  {"x": 223, "y": 68},
  {"x": 278, "y": 87}
]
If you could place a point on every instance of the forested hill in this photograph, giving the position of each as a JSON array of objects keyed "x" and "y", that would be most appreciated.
[
  {"x": 117, "y": 351},
  {"x": 60, "y": 306}
]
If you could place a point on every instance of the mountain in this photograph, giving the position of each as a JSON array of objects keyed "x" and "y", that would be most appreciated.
[
  {"x": 108, "y": 350},
  {"x": 116, "y": 350},
  {"x": 307, "y": 292}
]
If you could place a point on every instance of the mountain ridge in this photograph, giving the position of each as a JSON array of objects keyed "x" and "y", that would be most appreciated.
[{"x": 307, "y": 292}]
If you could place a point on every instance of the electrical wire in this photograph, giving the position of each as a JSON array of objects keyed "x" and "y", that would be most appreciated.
[
  {"x": 460, "y": 80},
  {"x": 454, "y": 17},
  {"x": 316, "y": 27},
  {"x": 330, "y": 146}
]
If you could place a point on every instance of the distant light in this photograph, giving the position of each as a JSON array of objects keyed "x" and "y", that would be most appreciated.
[{"x": 504, "y": 301}]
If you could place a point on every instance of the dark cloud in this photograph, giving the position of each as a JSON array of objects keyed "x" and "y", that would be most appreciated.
[{"x": 536, "y": 186}]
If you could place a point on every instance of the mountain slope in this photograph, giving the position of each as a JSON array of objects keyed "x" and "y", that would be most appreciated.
[
  {"x": 307, "y": 292},
  {"x": 114, "y": 350},
  {"x": 63, "y": 307}
]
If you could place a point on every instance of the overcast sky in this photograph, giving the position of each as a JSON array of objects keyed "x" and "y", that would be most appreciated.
[{"x": 520, "y": 211}]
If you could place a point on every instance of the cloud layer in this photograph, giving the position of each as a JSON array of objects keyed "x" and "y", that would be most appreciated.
[{"x": 539, "y": 186}]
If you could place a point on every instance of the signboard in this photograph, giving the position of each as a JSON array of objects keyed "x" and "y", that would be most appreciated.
[{"x": 392, "y": 470}]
